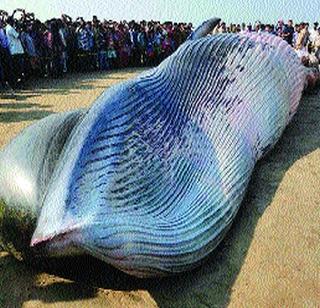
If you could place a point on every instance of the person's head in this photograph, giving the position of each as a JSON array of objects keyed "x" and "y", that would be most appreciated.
[
  {"x": 81, "y": 22},
  {"x": 96, "y": 23},
  {"x": 53, "y": 26},
  {"x": 290, "y": 22},
  {"x": 88, "y": 25},
  {"x": 23, "y": 27},
  {"x": 315, "y": 25},
  {"x": 268, "y": 28},
  {"x": 59, "y": 23},
  {"x": 10, "y": 21},
  {"x": 302, "y": 26}
]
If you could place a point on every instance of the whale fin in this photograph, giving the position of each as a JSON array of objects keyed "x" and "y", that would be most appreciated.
[
  {"x": 205, "y": 28},
  {"x": 27, "y": 162}
]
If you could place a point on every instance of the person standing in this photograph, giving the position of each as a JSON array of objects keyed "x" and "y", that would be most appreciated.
[
  {"x": 7, "y": 77},
  {"x": 91, "y": 55},
  {"x": 317, "y": 44},
  {"x": 295, "y": 35},
  {"x": 313, "y": 34},
  {"x": 142, "y": 43},
  {"x": 16, "y": 50},
  {"x": 31, "y": 55},
  {"x": 223, "y": 28},
  {"x": 83, "y": 45},
  {"x": 313, "y": 31},
  {"x": 280, "y": 27},
  {"x": 288, "y": 32},
  {"x": 63, "y": 32},
  {"x": 101, "y": 46},
  {"x": 303, "y": 37}
]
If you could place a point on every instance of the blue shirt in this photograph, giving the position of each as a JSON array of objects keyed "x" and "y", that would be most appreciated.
[
  {"x": 28, "y": 44},
  {"x": 4, "y": 43}
]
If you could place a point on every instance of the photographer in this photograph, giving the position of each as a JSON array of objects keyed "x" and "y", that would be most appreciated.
[
  {"x": 16, "y": 50},
  {"x": 6, "y": 76},
  {"x": 84, "y": 44},
  {"x": 31, "y": 59}
]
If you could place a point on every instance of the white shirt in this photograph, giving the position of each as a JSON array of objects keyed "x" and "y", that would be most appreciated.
[
  {"x": 317, "y": 40},
  {"x": 15, "y": 45},
  {"x": 313, "y": 34}
]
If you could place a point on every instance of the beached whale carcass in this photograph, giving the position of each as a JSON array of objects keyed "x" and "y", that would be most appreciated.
[{"x": 151, "y": 177}]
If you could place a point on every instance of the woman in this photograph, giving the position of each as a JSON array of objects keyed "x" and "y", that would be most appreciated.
[
  {"x": 31, "y": 59},
  {"x": 57, "y": 48},
  {"x": 111, "y": 50}
]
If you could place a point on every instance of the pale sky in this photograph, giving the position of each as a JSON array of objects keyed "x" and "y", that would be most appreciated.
[{"x": 195, "y": 11}]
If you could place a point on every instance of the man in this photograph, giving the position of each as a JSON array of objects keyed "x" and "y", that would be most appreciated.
[
  {"x": 84, "y": 45},
  {"x": 257, "y": 27},
  {"x": 16, "y": 49},
  {"x": 295, "y": 35},
  {"x": 268, "y": 29},
  {"x": 288, "y": 32},
  {"x": 7, "y": 78},
  {"x": 280, "y": 27},
  {"x": 307, "y": 39},
  {"x": 29, "y": 47},
  {"x": 303, "y": 37},
  {"x": 317, "y": 44},
  {"x": 313, "y": 34},
  {"x": 223, "y": 28},
  {"x": 243, "y": 28},
  {"x": 63, "y": 32}
]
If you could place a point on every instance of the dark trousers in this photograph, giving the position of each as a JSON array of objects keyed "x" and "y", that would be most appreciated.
[
  {"x": 18, "y": 66},
  {"x": 56, "y": 65},
  {"x": 7, "y": 67}
]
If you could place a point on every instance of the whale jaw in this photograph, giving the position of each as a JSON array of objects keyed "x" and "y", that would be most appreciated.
[{"x": 64, "y": 243}]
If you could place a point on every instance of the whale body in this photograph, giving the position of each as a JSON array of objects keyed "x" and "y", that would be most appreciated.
[{"x": 150, "y": 177}]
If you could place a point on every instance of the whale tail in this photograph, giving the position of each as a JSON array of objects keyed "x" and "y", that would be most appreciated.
[{"x": 205, "y": 28}]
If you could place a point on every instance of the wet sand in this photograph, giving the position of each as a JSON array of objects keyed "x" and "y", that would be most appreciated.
[{"x": 270, "y": 257}]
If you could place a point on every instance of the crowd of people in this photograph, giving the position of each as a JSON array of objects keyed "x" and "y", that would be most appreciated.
[
  {"x": 301, "y": 36},
  {"x": 31, "y": 48}
]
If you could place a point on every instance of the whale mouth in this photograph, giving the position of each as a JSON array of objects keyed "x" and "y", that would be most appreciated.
[
  {"x": 43, "y": 241},
  {"x": 56, "y": 244}
]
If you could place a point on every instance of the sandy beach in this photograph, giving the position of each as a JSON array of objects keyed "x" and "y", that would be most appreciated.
[{"x": 269, "y": 258}]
